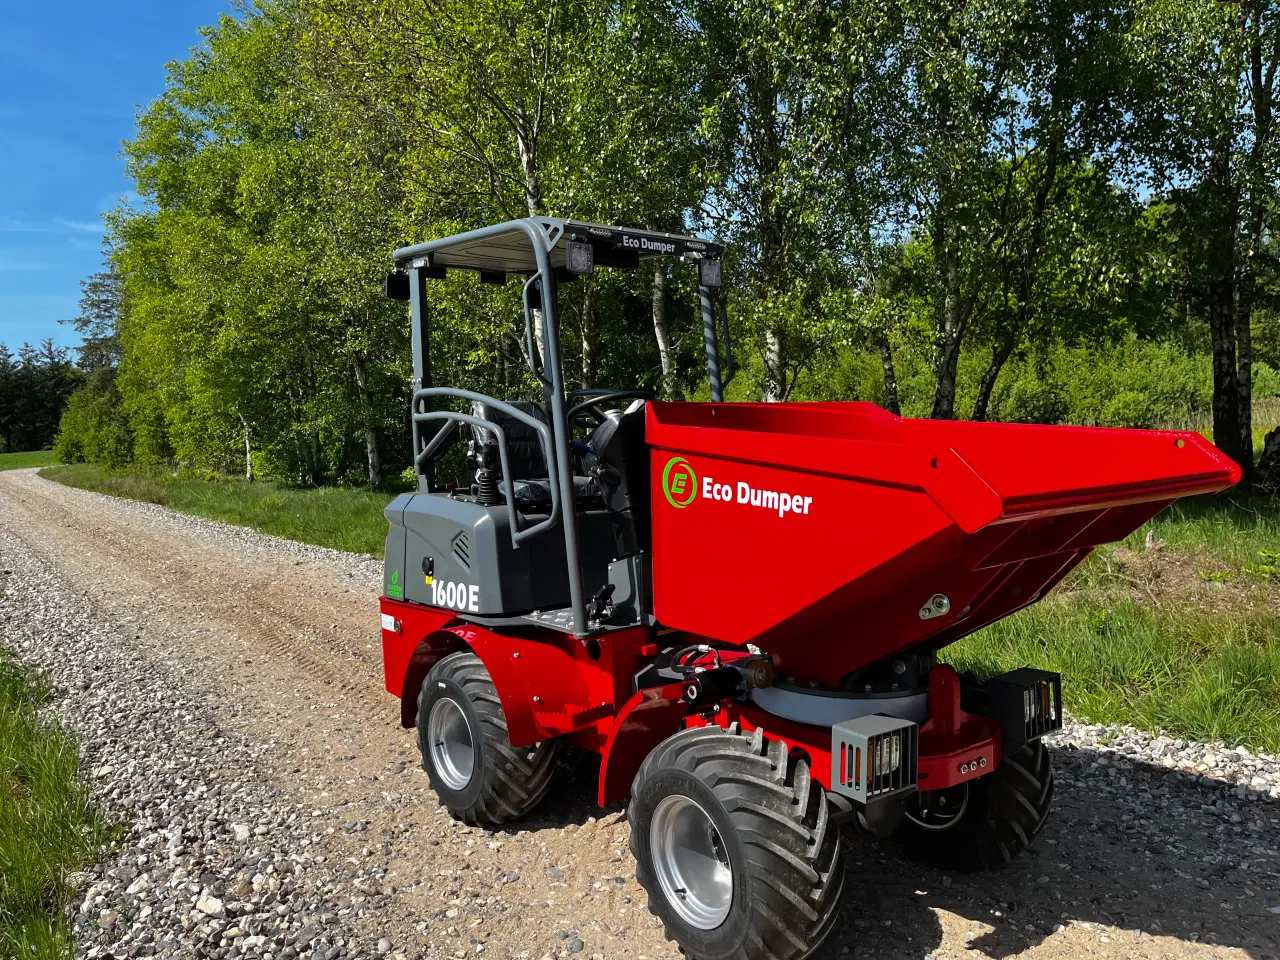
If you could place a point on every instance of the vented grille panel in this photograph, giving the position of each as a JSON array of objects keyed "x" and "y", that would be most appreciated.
[
  {"x": 874, "y": 757},
  {"x": 1027, "y": 703},
  {"x": 462, "y": 550}
]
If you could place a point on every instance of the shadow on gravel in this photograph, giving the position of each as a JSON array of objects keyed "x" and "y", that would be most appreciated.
[
  {"x": 1133, "y": 846},
  {"x": 572, "y": 798}
]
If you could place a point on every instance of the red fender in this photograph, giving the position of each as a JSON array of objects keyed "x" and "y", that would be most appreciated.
[
  {"x": 549, "y": 683},
  {"x": 413, "y": 639},
  {"x": 645, "y": 721}
]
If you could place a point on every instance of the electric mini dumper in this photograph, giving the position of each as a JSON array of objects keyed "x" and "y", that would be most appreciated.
[{"x": 738, "y": 606}]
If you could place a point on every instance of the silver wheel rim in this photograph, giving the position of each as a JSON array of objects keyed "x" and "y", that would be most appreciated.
[
  {"x": 453, "y": 751},
  {"x": 691, "y": 861},
  {"x": 937, "y": 820}
]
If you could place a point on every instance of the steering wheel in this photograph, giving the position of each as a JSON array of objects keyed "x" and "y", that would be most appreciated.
[{"x": 589, "y": 414}]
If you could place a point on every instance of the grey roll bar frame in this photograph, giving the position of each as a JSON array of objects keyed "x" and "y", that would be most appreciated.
[
  {"x": 452, "y": 416},
  {"x": 504, "y": 248}
]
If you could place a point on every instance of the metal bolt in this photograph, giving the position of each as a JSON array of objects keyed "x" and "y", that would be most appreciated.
[
  {"x": 537, "y": 699},
  {"x": 964, "y": 768},
  {"x": 982, "y": 761},
  {"x": 515, "y": 656},
  {"x": 692, "y": 691}
]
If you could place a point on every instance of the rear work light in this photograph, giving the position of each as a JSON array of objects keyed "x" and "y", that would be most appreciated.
[
  {"x": 874, "y": 757},
  {"x": 1027, "y": 704}
]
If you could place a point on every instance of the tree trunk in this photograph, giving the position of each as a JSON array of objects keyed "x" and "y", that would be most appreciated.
[
  {"x": 670, "y": 388},
  {"x": 588, "y": 334},
  {"x": 366, "y": 417},
  {"x": 775, "y": 371},
  {"x": 533, "y": 202},
  {"x": 1244, "y": 350},
  {"x": 948, "y": 258},
  {"x": 1224, "y": 214},
  {"x": 890, "y": 374},
  {"x": 999, "y": 357},
  {"x": 1003, "y": 350},
  {"x": 1261, "y": 75},
  {"x": 248, "y": 449},
  {"x": 1226, "y": 393},
  {"x": 317, "y": 474}
]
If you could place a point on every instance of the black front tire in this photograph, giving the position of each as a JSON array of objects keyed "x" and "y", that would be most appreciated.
[
  {"x": 1001, "y": 814},
  {"x": 776, "y": 840},
  {"x": 505, "y": 781}
]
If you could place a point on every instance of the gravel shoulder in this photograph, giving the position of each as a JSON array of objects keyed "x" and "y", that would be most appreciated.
[{"x": 227, "y": 689}]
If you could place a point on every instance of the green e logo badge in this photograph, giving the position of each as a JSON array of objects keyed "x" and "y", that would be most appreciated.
[{"x": 679, "y": 482}]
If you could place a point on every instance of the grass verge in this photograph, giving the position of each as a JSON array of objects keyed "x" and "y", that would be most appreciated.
[
  {"x": 329, "y": 517},
  {"x": 1192, "y": 673},
  {"x": 47, "y": 825},
  {"x": 1182, "y": 636},
  {"x": 32, "y": 458}
]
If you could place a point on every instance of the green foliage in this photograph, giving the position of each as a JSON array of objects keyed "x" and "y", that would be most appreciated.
[
  {"x": 34, "y": 387},
  {"x": 94, "y": 428},
  {"x": 961, "y": 212},
  {"x": 1267, "y": 566},
  {"x": 50, "y": 827}
]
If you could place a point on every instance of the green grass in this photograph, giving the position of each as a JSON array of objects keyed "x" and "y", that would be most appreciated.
[
  {"x": 330, "y": 517},
  {"x": 1191, "y": 672},
  {"x": 33, "y": 458},
  {"x": 1230, "y": 527},
  {"x": 47, "y": 825}
]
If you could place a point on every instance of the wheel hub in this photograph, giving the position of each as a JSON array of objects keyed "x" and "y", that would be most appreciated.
[
  {"x": 453, "y": 752},
  {"x": 691, "y": 862},
  {"x": 938, "y": 810}
]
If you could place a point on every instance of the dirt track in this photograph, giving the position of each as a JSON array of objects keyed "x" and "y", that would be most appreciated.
[{"x": 282, "y": 645}]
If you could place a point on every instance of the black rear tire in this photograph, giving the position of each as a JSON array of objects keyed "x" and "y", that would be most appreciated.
[
  {"x": 1000, "y": 816},
  {"x": 774, "y": 839},
  {"x": 505, "y": 781}
]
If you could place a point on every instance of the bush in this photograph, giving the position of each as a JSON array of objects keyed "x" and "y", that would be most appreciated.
[
  {"x": 1266, "y": 381},
  {"x": 1131, "y": 384},
  {"x": 94, "y": 429},
  {"x": 1033, "y": 399},
  {"x": 1129, "y": 408}
]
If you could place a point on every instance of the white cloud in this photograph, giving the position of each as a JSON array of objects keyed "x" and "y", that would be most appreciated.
[{"x": 10, "y": 223}]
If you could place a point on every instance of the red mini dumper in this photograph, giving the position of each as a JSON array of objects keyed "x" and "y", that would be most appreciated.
[{"x": 738, "y": 606}]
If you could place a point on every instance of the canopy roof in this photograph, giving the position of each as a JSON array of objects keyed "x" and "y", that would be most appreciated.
[{"x": 509, "y": 247}]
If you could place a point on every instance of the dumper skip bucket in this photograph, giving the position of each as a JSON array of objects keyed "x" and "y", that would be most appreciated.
[{"x": 833, "y": 534}]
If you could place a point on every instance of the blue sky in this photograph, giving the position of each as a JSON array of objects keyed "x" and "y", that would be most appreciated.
[{"x": 72, "y": 76}]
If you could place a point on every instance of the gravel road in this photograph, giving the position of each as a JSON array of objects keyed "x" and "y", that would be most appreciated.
[{"x": 227, "y": 689}]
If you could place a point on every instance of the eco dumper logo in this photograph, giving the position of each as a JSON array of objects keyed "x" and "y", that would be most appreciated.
[
  {"x": 679, "y": 482},
  {"x": 681, "y": 486}
]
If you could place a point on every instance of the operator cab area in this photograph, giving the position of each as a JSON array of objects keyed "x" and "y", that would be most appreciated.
[{"x": 553, "y": 525}]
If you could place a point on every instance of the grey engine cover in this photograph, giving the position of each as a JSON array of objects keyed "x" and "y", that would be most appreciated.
[{"x": 466, "y": 548}]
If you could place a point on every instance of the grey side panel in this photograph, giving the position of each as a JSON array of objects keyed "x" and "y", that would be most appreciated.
[
  {"x": 632, "y": 590},
  {"x": 393, "y": 570},
  {"x": 458, "y": 555}
]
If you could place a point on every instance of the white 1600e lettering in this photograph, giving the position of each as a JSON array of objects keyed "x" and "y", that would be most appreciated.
[{"x": 460, "y": 596}]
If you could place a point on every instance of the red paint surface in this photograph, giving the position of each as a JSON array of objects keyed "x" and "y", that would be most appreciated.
[{"x": 991, "y": 515}]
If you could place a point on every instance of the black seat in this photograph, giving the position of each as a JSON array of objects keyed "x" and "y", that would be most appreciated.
[
  {"x": 532, "y": 486},
  {"x": 524, "y": 449},
  {"x": 621, "y": 471}
]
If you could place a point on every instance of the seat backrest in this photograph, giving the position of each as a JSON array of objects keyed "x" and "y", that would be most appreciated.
[
  {"x": 622, "y": 473},
  {"x": 524, "y": 449}
]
